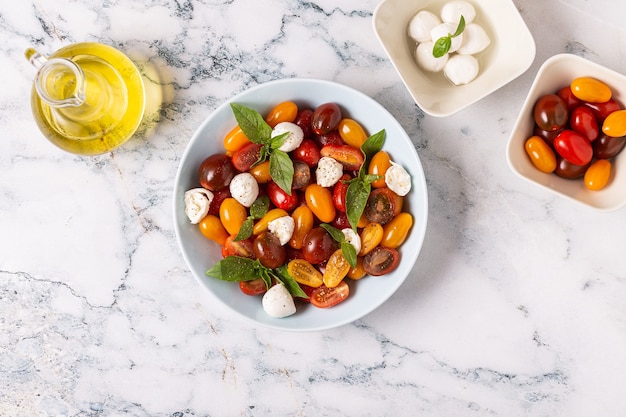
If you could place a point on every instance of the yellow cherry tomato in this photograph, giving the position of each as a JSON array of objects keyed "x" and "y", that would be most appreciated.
[
  {"x": 615, "y": 124},
  {"x": 378, "y": 166},
  {"x": 304, "y": 273},
  {"x": 598, "y": 174},
  {"x": 320, "y": 200},
  {"x": 371, "y": 236},
  {"x": 235, "y": 140},
  {"x": 396, "y": 231},
  {"x": 336, "y": 269},
  {"x": 351, "y": 132},
  {"x": 590, "y": 89},
  {"x": 283, "y": 112},
  {"x": 232, "y": 215},
  {"x": 363, "y": 221},
  {"x": 303, "y": 223},
  {"x": 358, "y": 271},
  {"x": 540, "y": 154},
  {"x": 273, "y": 214},
  {"x": 261, "y": 172},
  {"x": 212, "y": 228}
]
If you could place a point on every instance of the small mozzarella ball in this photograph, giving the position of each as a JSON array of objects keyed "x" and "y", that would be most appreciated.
[
  {"x": 352, "y": 238},
  {"x": 398, "y": 179},
  {"x": 475, "y": 40},
  {"x": 328, "y": 171},
  {"x": 197, "y": 202},
  {"x": 293, "y": 140},
  {"x": 277, "y": 302},
  {"x": 447, "y": 29},
  {"x": 421, "y": 24},
  {"x": 244, "y": 188},
  {"x": 461, "y": 69},
  {"x": 282, "y": 228},
  {"x": 452, "y": 11},
  {"x": 426, "y": 60}
]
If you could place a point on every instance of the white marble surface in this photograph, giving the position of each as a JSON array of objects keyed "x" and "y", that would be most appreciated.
[{"x": 516, "y": 307}]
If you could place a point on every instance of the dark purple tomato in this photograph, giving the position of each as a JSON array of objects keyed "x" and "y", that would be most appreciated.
[
  {"x": 280, "y": 198},
  {"x": 325, "y": 117},
  {"x": 307, "y": 152},
  {"x": 301, "y": 175},
  {"x": 550, "y": 112},
  {"x": 571, "y": 101},
  {"x": 381, "y": 206},
  {"x": 381, "y": 260},
  {"x": 573, "y": 147},
  {"x": 566, "y": 169},
  {"x": 215, "y": 172},
  {"x": 318, "y": 246},
  {"x": 583, "y": 121},
  {"x": 268, "y": 250},
  {"x": 546, "y": 135},
  {"x": 248, "y": 155},
  {"x": 606, "y": 147},
  {"x": 331, "y": 138},
  {"x": 303, "y": 119},
  {"x": 602, "y": 110},
  {"x": 341, "y": 221}
]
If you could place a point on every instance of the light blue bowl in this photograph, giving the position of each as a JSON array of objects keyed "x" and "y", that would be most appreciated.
[{"x": 366, "y": 294}]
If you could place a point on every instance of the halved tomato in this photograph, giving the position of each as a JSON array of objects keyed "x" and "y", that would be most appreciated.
[
  {"x": 351, "y": 158},
  {"x": 324, "y": 297},
  {"x": 253, "y": 287},
  {"x": 381, "y": 261}
]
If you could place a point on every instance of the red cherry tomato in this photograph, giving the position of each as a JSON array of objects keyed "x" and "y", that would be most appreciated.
[
  {"x": 324, "y": 297},
  {"x": 330, "y": 138},
  {"x": 573, "y": 147},
  {"x": 253, "y": 287},
  {"x": 246, "y": 156},
  {"x": 280, "y": 198},
  {"x": 381, "y": 260},
  {"x": 351, "y": 158},
  {"x": 218, "y": 198},
  {"x": 584, "y": 122},
  {"x": 303, "y": 119},
  {"x": 325, "y": 117},
  {"x": 550, "y": 112},
  {"x": 569, "y": 98},
  {"x": 318, "y": 246},
  {"x": 307, "y": 152},
  {"x": 216, "y": 171},
  {"x": 339, "y": 193},
  {"x": 241, "y": 248},
  {"x": 602, "y": 110}
]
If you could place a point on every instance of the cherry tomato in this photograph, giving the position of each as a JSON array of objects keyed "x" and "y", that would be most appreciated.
[
  {"x": 540, "y": 154},
  {"x": 215, "y": 172},
  {"x": 590, "y": 89},
  {"x": 380, "y": 207},
  {"x": 371, "y": 236},
  {"x": 307, "y": 152},
  {"x": 546, "y": 135},
  {"x": 232, "y": 215},
  {"x": 566, "y": 169},
  {"x": 352, "y": 132},
  {"x": 268, "y": 250},
  {"x": 318, "y": 246},
  {"x": 320, "y": 201},
  {"x": 396, "y": 231},
  {"x": 303, "y": 119},
  {"x": 301, "y": 175},
  {"x": 606, "y": 147},
  {"x": 351, "y": 158},
  {"x": 234, "y": 247},
  {"x": 330, "y": 138},
  {"x": 379, "y": 164},
  {"x": 246, "y": 156},
  {"x": 598, "y": 174},
  {"x": 341, "y": 221},
  {"x": 253, "y": 287},
  {"x": 573, "y": 147},
  {"x": 261, "y": 225},
  {"x": 339, "y": 193},
  {"x": 235, "y": 140},
  {"x": 324, "y": 297},
  {"x": 381, "y": 261},
  {"x": 303, "y": 223},
  {"x": 282, "y": 112},
  {"x": 615, "y": 124},
  {"x": 304, "y": 273},
  {"x": 325, "y": 118},
  {"x": 583, "y": 121},
  {"x": 569, "y": 98},
  {"x": 211, "y": 227},
  {"x": 336, "y": 269},
  {"x": 358, "y": 271},
  {"x": 550, "y": 112},
  {"x": 280, "y": 198},
  {"x": 602, "y": 110},
  {"x": 261, "y": 172}
]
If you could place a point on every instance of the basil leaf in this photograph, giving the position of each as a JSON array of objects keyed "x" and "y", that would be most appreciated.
[
  {"x": 246, "y": 229},
  {"x": 370, "y": 178},
  {"x": 349, "y": 252},
  {"x": 336, "y": 234},
  {"x": 281, "y": 170},
  {"x": 277, "y": 141},
  {"x": 265, "y": 276},
  {"x": 259, "y": 208},
  {"x": 373, "y": 144},
  {"x": 282, "y": 275},
  {"x": 356, "y": 198},
  {"x": 460, "y": 28},
  {"x": 440, "y": 48},
  {"x": 252, "y": 123},
  {"x": 234, "y": 268}
]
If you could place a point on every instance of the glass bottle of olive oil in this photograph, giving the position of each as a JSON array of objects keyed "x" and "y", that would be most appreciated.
[{"x": 87, "y": 98}]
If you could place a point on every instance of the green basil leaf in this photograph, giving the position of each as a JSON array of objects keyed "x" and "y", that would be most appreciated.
[
  {"x": 259, "y": 207},
  {"x": 277, "y": 141},
  {"x": 349, "y": 252},
  {"x": 336, "y": 234},
  {"x": 245, "y": 231},
  {"x": 460, "y": 28},
  {"x": 441, "y": 47},
  {"x": 234, "y": 268},
  {"x": 373, "y": 144},
  {"x": 252, "y": 123},
  {"x": 263, "y": 154},
  {"x": 264, "y": 273},
  {"x": 281, "y": 170},
  {"x": 282, "y": 275},
  {"x": 356, "y": 198},
  {"x": 370, "y": 178}
]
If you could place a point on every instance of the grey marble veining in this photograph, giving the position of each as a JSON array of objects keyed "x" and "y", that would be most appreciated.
[{"x": 514, "y": 308}]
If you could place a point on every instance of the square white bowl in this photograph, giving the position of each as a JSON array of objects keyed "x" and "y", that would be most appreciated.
[
  {"x": 555, "y": 73},
  {"x": 510, "y": 54}
]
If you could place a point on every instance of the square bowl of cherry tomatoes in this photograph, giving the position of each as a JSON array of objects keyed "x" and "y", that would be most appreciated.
[
  {"x": 571, "y": 131},
  {"x": 300, "y": 205}
]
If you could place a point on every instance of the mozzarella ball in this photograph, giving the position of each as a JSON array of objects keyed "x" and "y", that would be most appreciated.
[
  {"x": 447, "y": 29},
  {"x": 282, "y": 228},
  {"x": 328, "y": 171},
  {"x": 398, "y": 179},
  {"x": 244, "y": 188},
  {"x": 452, "y": 11},
  {"x": 294, "y": 137},
  {"x": 426, "y": 60},
  {"x": 421, "y": 24},
  {"x": 352, "y": 238},
  {"x": 277, "y": 302},
  {"x": 475, "y": 40},
  {"x": 461, "y": 69},
  {"x": 197, "y": 202}
]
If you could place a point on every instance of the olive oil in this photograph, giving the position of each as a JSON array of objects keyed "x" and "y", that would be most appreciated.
[{"x": 107, "y": 112}]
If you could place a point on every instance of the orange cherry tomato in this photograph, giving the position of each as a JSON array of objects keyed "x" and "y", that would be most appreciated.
[
  {"x": 598, "y": 174},
  {"x": 396, "y": 231},
  {"x": 590, "y": 89},
  {"x": 336, "y": 269},
  {"x": 232, "y": 215},
  {"x": 303, "y": 223},
  {"x": 273, "y": 214},
  {"x": 371, "y": 236},
  {"x": 540, "y": 154},
  {"x": 351, "y": 132},
  {"x": 320, "y": 200},
  {"x": 211, "y": 227},
  {"x": 615, "y": 124},
  {"x": 235, "y": 140},
  {"x": 324, "y": 297},
  {"x": 378, "y": 166},
  {"x": 358, "y": 271},
  {"x": 283, "y": 112},
  {"x": 261, "y": 172},
  {"x": 304, "y": 273}
]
